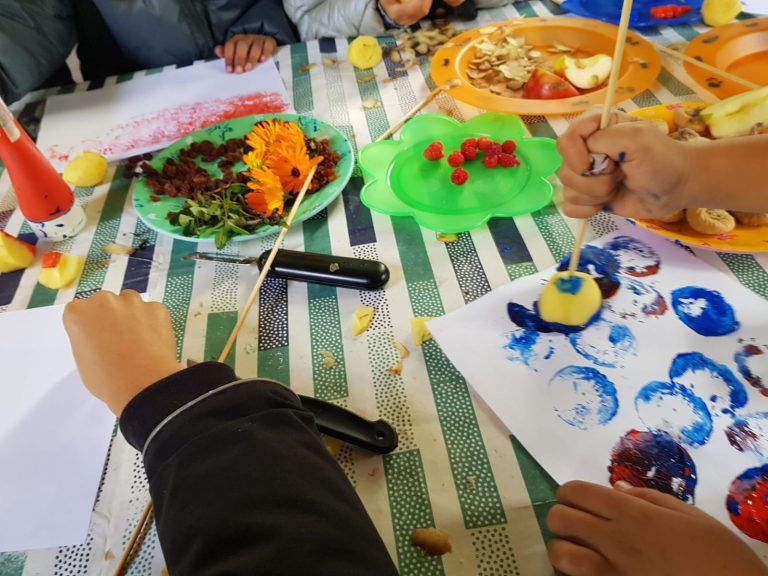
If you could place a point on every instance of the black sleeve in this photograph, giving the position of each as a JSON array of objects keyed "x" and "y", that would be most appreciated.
[
  {"x": 268, "y": 18},
  {"x": 242, "y": 484}
]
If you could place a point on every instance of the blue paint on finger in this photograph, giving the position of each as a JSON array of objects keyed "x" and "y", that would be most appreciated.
[
  {"x": 704, "y": 311},
  {"x": 583, "y": 397}
]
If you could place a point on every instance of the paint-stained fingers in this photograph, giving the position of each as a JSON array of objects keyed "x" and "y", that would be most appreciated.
[
  {"x": 573, "y": 143},
  {"x": 575, "y": 560},
  {"x": 599, "y": 189},
  {"x": 243, "y": 47},
  {"x": 592, "y": 498}
]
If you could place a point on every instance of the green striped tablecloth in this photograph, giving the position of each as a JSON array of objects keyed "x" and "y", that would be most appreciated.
[{"x": 457, "y": 467}]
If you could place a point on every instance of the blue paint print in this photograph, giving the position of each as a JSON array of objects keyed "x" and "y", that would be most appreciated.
[
  {"x": 650, "y": 301},
  {"x": 528, "y": 347},
  {"x": 709, "y": 379},
  {"x": 583, "y": 397},
  {"x": 606, "y": 344},
  {"x": 704, "y": 311},
  {"x": 745, "y": 358},
  {"x": 675, "y": 410},
  {"x": 749, "y": 434},
  {"x": 569, "y": 284},
  {"x": 601, "y": 265},
  {"x": 654, "y": 460},
  {"x": 635, "y": 257}
]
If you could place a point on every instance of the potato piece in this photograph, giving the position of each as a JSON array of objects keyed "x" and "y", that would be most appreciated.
[
  {"x": 361, "y": 319},
  {"x": 419, "y": 331},
  {"x": 60, "y": 270},
  {"x": 15, "y": 254},
  {"x": 86, "y": 169},
  {"x": 432, "y": 541}
]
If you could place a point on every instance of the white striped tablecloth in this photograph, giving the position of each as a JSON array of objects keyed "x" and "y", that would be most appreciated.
[{"x": 456, "y": 467}]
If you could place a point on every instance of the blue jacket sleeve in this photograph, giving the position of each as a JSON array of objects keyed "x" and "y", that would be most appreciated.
[
  {"x": 36, "y": 36},
  {"x": 242, "y": 483}
]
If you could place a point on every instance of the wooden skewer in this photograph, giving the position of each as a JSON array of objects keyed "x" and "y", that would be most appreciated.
[
  {"x": 267, "y": 265},
  {"x": 141, "y": 527},
  {"x": 7, "y": 123},
  {"x": 146, "y": 517},
  {"x": 412, "y": 112},
  {"x": 610, "y": 96},
  {"x": 708, "y": 67}
]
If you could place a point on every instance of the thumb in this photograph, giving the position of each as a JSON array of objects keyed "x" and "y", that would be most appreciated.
[
  {"x": 621, "y": 141},
  {"x": 219, "y": 51}
]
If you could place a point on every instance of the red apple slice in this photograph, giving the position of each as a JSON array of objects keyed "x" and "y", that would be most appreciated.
[{"x": 543, "y": 85}]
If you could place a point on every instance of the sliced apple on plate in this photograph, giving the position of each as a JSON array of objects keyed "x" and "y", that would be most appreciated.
[
  {"x": 15, "y": 254},
  {"x": 544, "y": 85},
  {"x": 585, "y": 73},
  {"x": 737, "y": 115}
]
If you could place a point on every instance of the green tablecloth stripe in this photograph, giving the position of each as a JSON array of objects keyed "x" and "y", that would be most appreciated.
[
  {"x": 324, "y": 322},
  {"x": 219, "y": 326},
  {"x": 411, "y": 508},
  {"x": 480, "y": 506}
]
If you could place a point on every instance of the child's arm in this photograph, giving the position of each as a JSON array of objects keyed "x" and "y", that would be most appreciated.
[
  {"x": 658, "y": 175},
  {"x": 631, "y": 531},
  {"x": 36, "y": 36}
]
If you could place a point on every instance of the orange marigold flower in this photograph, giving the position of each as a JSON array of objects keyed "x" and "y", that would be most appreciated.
[
  {"x": 254, "y": 159},
  {"x": 269, "y": 132},
  {"x": 268, "y": 194},
  {"x": 292, "y": 164}
]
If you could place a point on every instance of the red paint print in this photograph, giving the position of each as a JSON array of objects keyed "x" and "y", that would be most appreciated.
[{"x": 159, "y": 129}]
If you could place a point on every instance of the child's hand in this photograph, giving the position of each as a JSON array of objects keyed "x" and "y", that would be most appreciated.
[
  {"x": 121, "y": 345},
  {"x": 627, "y": 531},
  {"x": 649, "y": 177},
  {"x": 243, "y": 52},
  {"x": 406, "y": 13}
]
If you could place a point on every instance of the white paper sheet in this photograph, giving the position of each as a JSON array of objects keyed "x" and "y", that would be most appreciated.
[
  {"x": 150, "y": 113},
  {"x": 568, "y": 424},
  {"x": 54, "y": 435},
  {"x": 755, "y": 6}
]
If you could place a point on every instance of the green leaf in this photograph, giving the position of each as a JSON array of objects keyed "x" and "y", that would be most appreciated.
[{"x": 221, "y": 239}]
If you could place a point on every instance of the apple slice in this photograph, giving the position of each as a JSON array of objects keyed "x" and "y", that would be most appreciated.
[
  {"x": 60, "y": 270},
  {"x": 737, "y": 115},
  {"x": 585, "y": 73},
  {"x": 15, "y": 254},
  {"x": 543, "y": 85}
]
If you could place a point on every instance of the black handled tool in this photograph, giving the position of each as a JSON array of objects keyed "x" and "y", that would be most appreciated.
[
  {"x": 340, "y": 271},
  {"x": 377, "y": 436}
]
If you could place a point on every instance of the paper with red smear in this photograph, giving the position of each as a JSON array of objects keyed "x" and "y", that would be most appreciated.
[{"x": 151, "y": 112}]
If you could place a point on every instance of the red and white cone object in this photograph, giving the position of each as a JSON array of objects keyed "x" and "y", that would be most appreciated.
[{"x": 46, "y": 201}]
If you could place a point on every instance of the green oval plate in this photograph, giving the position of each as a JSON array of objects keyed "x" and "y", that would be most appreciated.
[
  {"x": 153, "y": 214},
  {"x": 401, "y": 182}
]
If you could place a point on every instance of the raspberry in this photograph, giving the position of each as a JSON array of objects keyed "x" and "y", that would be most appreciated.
[
  {"x": 508, "y": 147},
  {"x": 459, "y": 176},
  {"x": 455, "y": 159},
  {"x": 469, "y": 152},
  {"x": 493, "y": 149},
  {"x": 490, "y": 161},
  {"x": 483, "y": 143},
  {"x": 508, "y": 160},
  {"x": 472, "y": 142},
  {"x": 434, "y": 151}
]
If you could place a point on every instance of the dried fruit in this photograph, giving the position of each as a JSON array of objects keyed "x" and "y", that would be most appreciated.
[
  {"x": 455, "y": 159},
  {"x": 434, "y": 151},
  {"x": 371, "y": 103},
  {"x": 329, "y": 360},
  {"x": 459, "y": 176}
]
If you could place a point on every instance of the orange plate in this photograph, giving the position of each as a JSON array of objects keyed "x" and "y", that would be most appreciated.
[
  {"x": 639, "y": 68},
  {"x": 740, "y": 239},
  {"x": 740, "y": 48}
]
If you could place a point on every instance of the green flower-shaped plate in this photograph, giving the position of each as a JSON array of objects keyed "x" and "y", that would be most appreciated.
[
  {"x": 153, "y": 209},
  {"x": 401, "y": 182}
]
